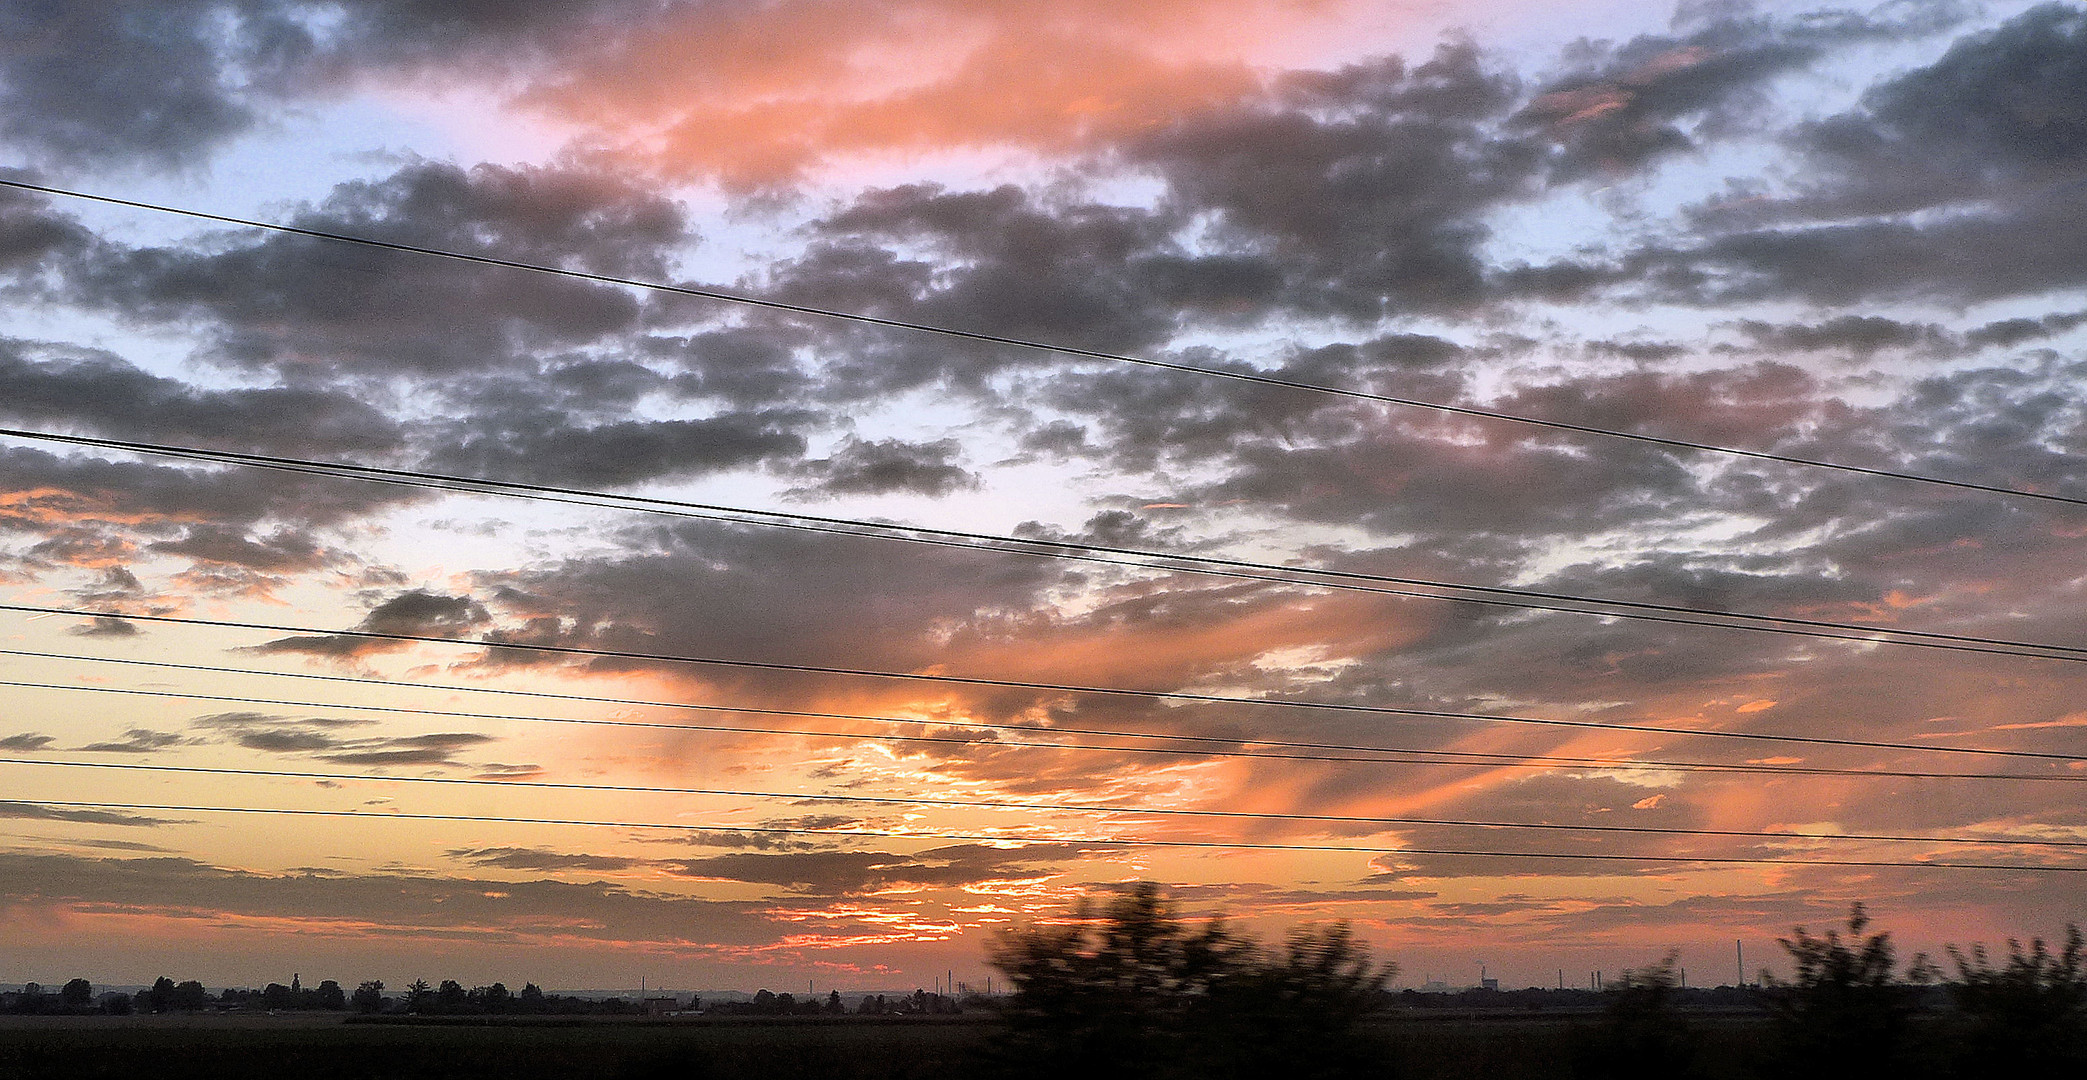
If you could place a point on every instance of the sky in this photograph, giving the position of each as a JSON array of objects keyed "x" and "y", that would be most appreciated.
[{"x": 1852, "y": 235}]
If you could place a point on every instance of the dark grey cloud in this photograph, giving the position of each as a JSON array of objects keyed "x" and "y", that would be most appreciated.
[
  {"x": 418, "y": 611},
  {"x": 1353, "y": 193},
  {"x": 292, "y": 302},
  {"x": 1623, "y": 106},
  {"x": 1857, "y": 334},
  {"x": 1079, "y": 273},
  {"x": 163, "y": 83},
  {"x": 1366, "y": 187},
  {"x": 439, "y": 748},
  {"x": 424, "y": 906},
  {"x": 842, "y": 873},
  {"x": 331, "y": 740},
  {"x": 881, "y": 466},
  {"x": 93, "y": 502},
  {"x": 139, "y": 741},
  {"x": 412, "y": 613},
  {"x": 29, "y": 232},
  {"x": 517, "y": 858},
  {"x": 744, "y": 367},
  {"x": 1990, "y": 132},
  {"x": 25, "y": 742},
  {"x": 717, "y": 590},
  {"x": 283, "y": 552},
  {"x": 42, "y": 384},
  {"x": 2006, "y": 333},
  {"x": 105, "y": 626},
  {"x": 29, "y": 811},
  {"x": 543, "y": 446},
  {"x": 128, "y": 80},
  {"x": 2002, "y": 105}
]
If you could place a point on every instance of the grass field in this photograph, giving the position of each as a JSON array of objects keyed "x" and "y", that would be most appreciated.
[{"x": 325, "y": 1048}]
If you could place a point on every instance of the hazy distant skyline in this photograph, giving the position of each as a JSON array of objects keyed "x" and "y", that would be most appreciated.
[{"x": 1852, "y": 234}]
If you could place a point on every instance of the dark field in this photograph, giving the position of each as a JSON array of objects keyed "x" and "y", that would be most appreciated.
[{"x": 324, "y": 1048}]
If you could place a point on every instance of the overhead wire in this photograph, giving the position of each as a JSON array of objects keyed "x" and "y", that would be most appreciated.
[
  {"x": 1070, "y": 688},
  {"x": 1053, "y": 807},
  {"x": 1311, "y": 577},
  {"x": 1201, "y": 748},
  {"x": 1090, "y": 843},
  {"x": 1252, "y": 378},
  {"x": 1911, "y": 637}
]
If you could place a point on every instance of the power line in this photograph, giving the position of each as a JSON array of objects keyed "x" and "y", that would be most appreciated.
[
  {"x": 1066, "y": 350},
  {"x": 1240, "y": 569},
  {"x": 1071, "y": 688},
  {"x": 1079, "y": 808},
  {"x": 1073, "y": 841},
  {"x": 1476, "y": 758}
]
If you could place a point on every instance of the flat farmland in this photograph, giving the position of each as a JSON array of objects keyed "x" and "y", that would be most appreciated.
[{"x": 325, "y": 1047}]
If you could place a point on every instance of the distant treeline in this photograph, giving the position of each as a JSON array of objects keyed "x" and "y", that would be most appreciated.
[
  {"x": 1133, "y": 989},
  {"x": 449, "y": 998},
  {"x": 165, "y": 995}
]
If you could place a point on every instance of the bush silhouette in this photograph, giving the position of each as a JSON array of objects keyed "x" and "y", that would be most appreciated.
[
  {"x": 2026, "y": 1018},
  {"x": 1642, "y": 1034},
  {"x": 1844, "y": 1014},
  {"x": 1135, "y": 991}
]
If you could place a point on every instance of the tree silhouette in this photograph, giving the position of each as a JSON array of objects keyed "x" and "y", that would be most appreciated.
[
  {"x": 1135, "y": 991},
  {"x": 1843, "y": 1014},
  {"x": 78, "y": 993},
  {"x": 2027, "y": 1017},
  {"x": 1642, "y": 1033},
  {"x": 369, "y": 997}
]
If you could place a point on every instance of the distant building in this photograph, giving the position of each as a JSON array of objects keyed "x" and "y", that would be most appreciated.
[
  {"x": 1435, "y": 986},
  {"x": 662, "y": 1006}
]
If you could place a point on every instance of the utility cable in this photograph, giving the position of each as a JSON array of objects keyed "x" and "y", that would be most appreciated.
[
  {"x": 1091, "y": 843},
  {"x": 1070, "y": 808},
  {"x": 1313, "y": 577},
  {"x": 1201, "y": 749},
  {"x": 1069, "y": 688},
  {"x": 1252, "y": 378}
]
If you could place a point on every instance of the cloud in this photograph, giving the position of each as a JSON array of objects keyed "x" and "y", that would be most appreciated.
[
  {"x": 26, "y": 742},
  {"x": 378, "y": 905},
  {"x": 284, "y": 301},
  {"x": 75, "y": 83},
  {"x": 42, "y": 383},
  {"x": 27, "y": 811},
  {"x": 412, "y": 613},
  {"x": 91, "y": 512},
  {"x": 844, "y": 873},
  {"x": 139, "y": 741},
  {"x": 878, "y": 467},
  {"x": 29, "y": 233},
  {"x": 515, "y": 858},
  {"x": 1624, "y": 106},
  {"x": 758, "y": 95},
  {"x": 541, "y": 446},
  {"x": 1989, "y": 132},
  {"x": 1857, "y": 334},
  {"x": 326, "y": 739},
  {"x": 105, "y": 626}
]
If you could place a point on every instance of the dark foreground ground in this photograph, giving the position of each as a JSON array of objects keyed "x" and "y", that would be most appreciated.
[{"x": 325, "y": 1048}]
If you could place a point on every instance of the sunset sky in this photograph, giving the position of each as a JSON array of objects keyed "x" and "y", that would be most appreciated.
[{"x": 1854, "y": 235}]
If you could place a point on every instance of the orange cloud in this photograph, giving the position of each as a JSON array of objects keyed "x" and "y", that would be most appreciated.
[{"x": 755, "y": 93}]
